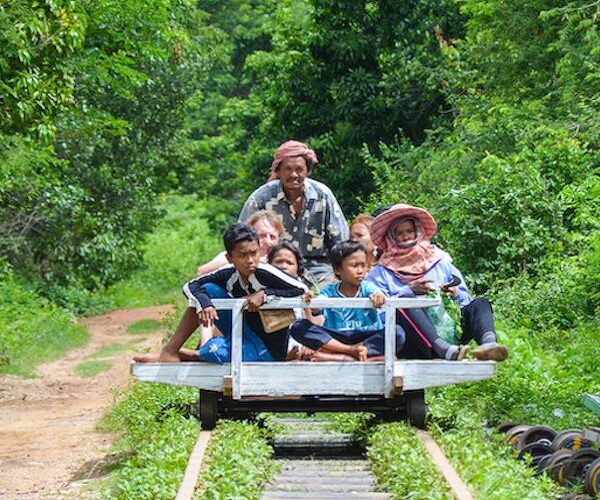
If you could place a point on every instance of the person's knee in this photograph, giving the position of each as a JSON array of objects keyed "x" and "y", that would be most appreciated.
[
  {"x": 215, "y": 291},
  {"x": 481, "y": 302},
  {"x": 299, "y": 326},
  {"x": 400, "y": 338}
]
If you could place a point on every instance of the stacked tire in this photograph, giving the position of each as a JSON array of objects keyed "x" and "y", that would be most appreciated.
[{"x": 566, "y": 456}]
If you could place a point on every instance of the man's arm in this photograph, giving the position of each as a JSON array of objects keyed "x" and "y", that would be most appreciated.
[
  {"x": 254, "y": 203},
  {"x": 336, "y": 226}
]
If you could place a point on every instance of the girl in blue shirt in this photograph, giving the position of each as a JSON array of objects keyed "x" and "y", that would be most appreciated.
[{"x": 347, "y": 334}]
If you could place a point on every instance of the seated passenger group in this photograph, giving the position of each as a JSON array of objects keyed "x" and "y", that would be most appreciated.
[{"x": 296, "y": 237}]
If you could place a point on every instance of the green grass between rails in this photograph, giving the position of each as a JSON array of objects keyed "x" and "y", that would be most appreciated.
[
  {"x": 238, "y": 462},
  {"x": 401, "y": 465}
]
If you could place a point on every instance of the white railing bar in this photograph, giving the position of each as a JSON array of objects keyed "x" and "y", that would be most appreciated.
[
  {"x": 235, "y": 305},
  {"x": 280, "y": 303}
]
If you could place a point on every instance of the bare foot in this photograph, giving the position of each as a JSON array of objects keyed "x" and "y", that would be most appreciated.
[
  {"x": 157, "y": 357},
  {"x": 360, "y": 352},
  {"x": 306, "y": 353},
  {"x": 323, "y": 355},
  {"x": 151, "y": 357},
  {"x": 293, "y": 354}
]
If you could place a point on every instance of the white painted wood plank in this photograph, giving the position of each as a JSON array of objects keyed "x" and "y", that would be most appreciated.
[
  {"x": 330, "y": 378},
  {"x": 292, "y": 378},
  {"x": 207, "y": 376},
  {"x": 420, "y": 374}
]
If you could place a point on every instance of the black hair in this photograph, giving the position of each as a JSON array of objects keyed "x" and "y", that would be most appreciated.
[
  {"x": 380, "y": 210},
  {"x": 237, "y": 233},
  {"x": 343, "y": 249},
  {"x": 292, "y": 248}
]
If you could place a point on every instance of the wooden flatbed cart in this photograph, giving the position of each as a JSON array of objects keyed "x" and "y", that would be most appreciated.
[{"x": 392, "y": 389}]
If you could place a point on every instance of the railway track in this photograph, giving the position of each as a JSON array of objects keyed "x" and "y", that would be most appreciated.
[{"x": 315, "y": 462}]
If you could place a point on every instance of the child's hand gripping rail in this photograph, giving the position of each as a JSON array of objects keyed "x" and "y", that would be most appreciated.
[{"x": 390, "y": 306}]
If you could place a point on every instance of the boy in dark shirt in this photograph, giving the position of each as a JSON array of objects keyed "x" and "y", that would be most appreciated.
[{"x": 247, "y": 277}]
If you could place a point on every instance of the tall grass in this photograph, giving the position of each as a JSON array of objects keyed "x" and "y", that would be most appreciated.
[
  {"x": 180, "y": 241},
  {"x": 32, "y": 329}
]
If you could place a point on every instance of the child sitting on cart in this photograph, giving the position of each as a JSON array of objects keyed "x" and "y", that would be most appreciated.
[
  {"x": 245, "y": 277},
  {"x": 347, "y": 334}
]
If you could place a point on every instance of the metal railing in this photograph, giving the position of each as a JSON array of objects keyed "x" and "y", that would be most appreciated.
[{"x": 235, "y": 306}]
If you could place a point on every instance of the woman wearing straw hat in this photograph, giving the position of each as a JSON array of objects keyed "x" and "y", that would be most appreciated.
[{"x": 412, "y": 266}]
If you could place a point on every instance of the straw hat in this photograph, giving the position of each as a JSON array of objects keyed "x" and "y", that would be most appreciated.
[{"x": 384, "y": 221}]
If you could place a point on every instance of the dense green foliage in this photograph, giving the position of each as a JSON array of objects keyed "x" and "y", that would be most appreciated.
[
  {"x": 94, "y": 97},
  {"x": 483, "y": 111}
]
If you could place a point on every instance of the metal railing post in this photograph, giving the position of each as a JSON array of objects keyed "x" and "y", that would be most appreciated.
[{"x": 390, "y": 349}]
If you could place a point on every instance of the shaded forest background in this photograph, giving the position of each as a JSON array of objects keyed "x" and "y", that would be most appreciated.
[{"x": 483, "y": 111}]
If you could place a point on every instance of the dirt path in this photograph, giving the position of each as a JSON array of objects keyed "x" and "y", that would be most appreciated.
[{"x": 47, "y": 437}]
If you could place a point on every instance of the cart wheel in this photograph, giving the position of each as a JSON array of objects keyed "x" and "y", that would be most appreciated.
[
  {"x": 416, "y": 409},
  {"x": 512, "y": 435},
  {"x": 576, "y": 467},
  {"x": 563, "y": 437},
  {"x": 536, "y": 451},
  {"x": 537, "y": 433},
  {"x": 542, "y": 464},
  {"x": 506, "y": 426},
  {"x": 555, "y": 465},
  {"x": 592, "y": 478},
  {"x": 209, "y": 409}
]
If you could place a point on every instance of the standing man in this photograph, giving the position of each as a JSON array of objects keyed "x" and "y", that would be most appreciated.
[{"x": 311, "y": 216}]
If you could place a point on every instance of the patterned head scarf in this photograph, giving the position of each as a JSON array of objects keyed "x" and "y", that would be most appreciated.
[
  {"x": 291, "y": 149},
  {"x": 411, "y": 260}
]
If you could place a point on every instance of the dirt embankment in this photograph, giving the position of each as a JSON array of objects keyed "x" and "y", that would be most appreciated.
[{"x": 48, "y": 445}]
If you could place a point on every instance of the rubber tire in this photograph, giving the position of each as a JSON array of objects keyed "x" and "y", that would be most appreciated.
[
  {"x": 208, "y": 407},
  {"x": 416, "y": 409},
  {"x": 542, "y": 464},
  {"x": 592, "y": 478}
]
